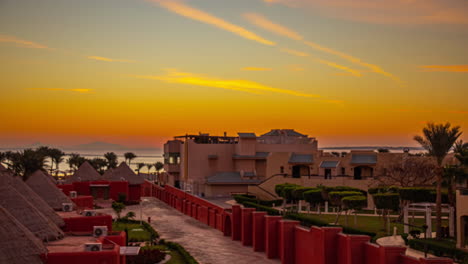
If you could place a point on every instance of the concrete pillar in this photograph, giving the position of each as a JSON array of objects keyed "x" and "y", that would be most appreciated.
[
  {"x": 299, "y": 206},
  {"x": 452, "y": 221},
  {"x": 326, "y": 206},
  {"x": 429, "y": 222},
  {"x": 246, "y": 229},
  {"x": 258, "y": 231},
  {"x": 236, "y": 222},
  {"x": 286, "y": 241},
  {"x": 405, "y": 220},
  {"x": 271, "y": 235}
]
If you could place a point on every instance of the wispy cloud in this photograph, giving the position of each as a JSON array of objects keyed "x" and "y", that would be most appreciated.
[
  {"x": 182, "y": 9},
  {"x": 295, "y": 68},
  {"x": 79, "y": 90},
  {"x": 108, "y": 59},
  {"x": 402, "y": 12},
  {"x": 174, "y": 76},
  {"x": 444, "y": 68},
  {"x": 265, "y": 23},
  {"x": 295, "y": 52},
  {"x": 256, "y": 69},
  {"x": 21, "y": 42},
  {"x": 372, "y": 67}
]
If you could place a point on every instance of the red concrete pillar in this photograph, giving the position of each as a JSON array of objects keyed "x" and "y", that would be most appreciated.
[
  {"x": 194, "y": 210},
  {"x": 436, "y": 261},
  {"x": 391, "y": 255},
  {"x": 236, "y": 222},
  {"x": 351, "y": 249},
  {"x": 330, "y": 236},
  {"x": 286, "y": 241},
  {"x": 258, "y": 231},
  {"x": 246, "y": 230},
  {"x": 271, "y": 235},
  {"x": 212, "y": 217}
]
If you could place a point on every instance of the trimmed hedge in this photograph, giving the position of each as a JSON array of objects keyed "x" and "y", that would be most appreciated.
[
  {"x": 145, "y": 225},
  {"x": 313, "y": 196},
  {"x": 354, "y": 202},
  {"x": 241, "y": 198},
  {"x": 309, "y": 221},
  {"x": 415, "y": 194},
  {"x": 337, "y": 196},
  {"x": 188, "y": 259},
  {"x": 440, "y": 248},
  {"x": 298, "y": 193},
  {"x": 279, "y": 188},
  {"x": 389, "y": 201},
  {"x": 384, "y": 189},
  {"x": 263, "y": 208}
]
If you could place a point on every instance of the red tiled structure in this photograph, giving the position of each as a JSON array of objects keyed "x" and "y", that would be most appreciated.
[{"x": 286, "y": 239}]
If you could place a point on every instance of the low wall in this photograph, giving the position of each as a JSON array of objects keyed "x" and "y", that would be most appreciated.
[
  {"x": 286, "y": 239},
  {"x": 85, "y": 224},
  {"x": 83, "y": 202}
]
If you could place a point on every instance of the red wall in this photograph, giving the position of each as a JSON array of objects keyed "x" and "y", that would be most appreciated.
[
  {"x": 66, "y": 188},
  {"x": 134, "y": 193},
  {"x": 85, "y": 224},
  {"x": 285, "y": 239},
  {"x": 84, "y": 202}
]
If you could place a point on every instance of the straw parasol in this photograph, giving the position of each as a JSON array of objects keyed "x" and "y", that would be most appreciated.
[
  {"x": 49, "y": 192},
  {"x": 18, "y": 245},
  {"x": 85, "y": 172},
  {"x": 32, "y": 197},
  {"x": 17, "y": 205},
  {"x": 124, "y": 173}
]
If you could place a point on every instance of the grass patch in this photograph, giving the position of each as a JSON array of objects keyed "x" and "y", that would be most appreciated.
[
  {"x": 136, "y": 232},
  {"x": 371, "y": 224},
  {"x": 176, "y": 257}
]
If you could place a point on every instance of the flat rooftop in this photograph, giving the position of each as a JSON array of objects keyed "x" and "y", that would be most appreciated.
[{"x": 70, "y": 244}]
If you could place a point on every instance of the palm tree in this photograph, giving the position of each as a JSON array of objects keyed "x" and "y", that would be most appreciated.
[
  {"x": 47, "y": 152},
  {"x": 140, "y": 166},
  {"x": 56, "y": 155},
  {"x": 149, "y": 166},
  {"x": 73, "y": 161},
  {"x": 129, "y": 156},
  {"x": 26, "y": 162},
  {"x": 111, "y": 160},
  {"x": 438, "y": 140},
  {"x": 158, "y": 166},
  {"x": 98, "y": 164}
]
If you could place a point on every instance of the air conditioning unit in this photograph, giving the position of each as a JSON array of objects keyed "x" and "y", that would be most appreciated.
[
  {"x": 67, "y": 207},
  {"x": 93, "y": 247},
  {"x": 99, "y": 231},
  {"x": 73, "y": 194},
  {"x": 89, "y": 213}
]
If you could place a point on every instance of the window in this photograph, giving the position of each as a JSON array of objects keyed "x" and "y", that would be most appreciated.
[
  {"x": 343, "y": 171},
  {"x": 281, "y": 169}
]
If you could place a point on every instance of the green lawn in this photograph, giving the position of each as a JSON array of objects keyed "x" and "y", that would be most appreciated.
[
  {"x": 372, "y": 223},
  {"x": 136, "y": 232},
  {"x": 176, "y": 258}
]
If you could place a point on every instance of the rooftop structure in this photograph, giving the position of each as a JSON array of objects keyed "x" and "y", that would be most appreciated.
[
  {"x": 85, "y": 172},
  {"x": 40, "y": 184}
]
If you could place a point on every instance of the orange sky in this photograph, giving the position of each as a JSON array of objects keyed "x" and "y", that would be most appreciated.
[{"x": 139, "y": 72}]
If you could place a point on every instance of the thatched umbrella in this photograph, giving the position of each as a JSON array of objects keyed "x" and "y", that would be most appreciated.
[
  {"x": 28, "y": 215},
  {"x": 49, "y": 192},
  {"x": 124, "y": 173},
  {"x": 18, "y": 244},
  {"x": 18, "y": 184},
  {"x": 85, "y": 172}
]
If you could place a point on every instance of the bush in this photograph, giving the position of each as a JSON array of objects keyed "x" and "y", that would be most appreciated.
[
  {"x": 383, "y": 189},
  {"x": 440, "y": 248},
  {"x": 388, "y": 201},
  {"x": 354, "y": 202},
  {"x": 279, "y": 188},
  {"x": 313, "y": 196},
  {"x": 147, "y": 255},
  {"x": 298, "y": 193},
  {"x": 327, "y": 190},
  {"x": 121, "y": 197},
  {"x": 263, "y": 208},
  {"x": 188, "y": 259},
  {"x": 287, "y": 192},
  {"x": 145, "y": 225},
  {"x": 415, "y": 233},
  {"x": 241, "y": 198},
  {"x": 415, "y": 194},
  {"x": 337, "y": 196}
]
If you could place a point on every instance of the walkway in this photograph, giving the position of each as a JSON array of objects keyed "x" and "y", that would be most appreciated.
[{"x": 207, "y": 245}]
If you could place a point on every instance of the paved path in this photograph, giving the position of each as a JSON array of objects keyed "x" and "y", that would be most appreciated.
[{"x": 207, "y": 245}]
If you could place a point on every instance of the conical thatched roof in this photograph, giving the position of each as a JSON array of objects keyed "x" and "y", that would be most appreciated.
[
  {"x": 85, "y": 172},
  {"x": 18, "y": 244},
  {"x": 47, "y": 190},
  {"x": 123, "y": 173},
  {"x": 17, "y": 205},
  {"x": 32, "y": 197}
]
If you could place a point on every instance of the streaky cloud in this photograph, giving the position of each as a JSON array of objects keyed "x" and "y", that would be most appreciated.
[
  {"x": 338, "y": 66},
  {"x": 108, "y": 59},
  {"x": 21, "y": 42},
  {"x": 263, "y": 22},
  {"x": 77, "y": 90},
  {"x": 174, "y": 76},
  {"x": 295, "y": 52},
  {"x": 182, "y": 9},
  {"x": 444, "y": 68},
  {"x": 256, "y": 69}
]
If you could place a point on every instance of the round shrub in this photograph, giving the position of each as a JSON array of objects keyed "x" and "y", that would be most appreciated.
[
  {"x": 388, "y": 201},
  {"x": 354, "y": 202}
]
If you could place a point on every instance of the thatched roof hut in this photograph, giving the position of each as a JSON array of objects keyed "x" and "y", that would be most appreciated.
[
  {"x": 19, "y": 185},
  {"x": 49, "y": 192},
  {"x": 25, "y": 212},
  {"x": 123, "y": 173},
  {"x": 19, "y": 244},
  {"x": 85, "y": 172}
]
